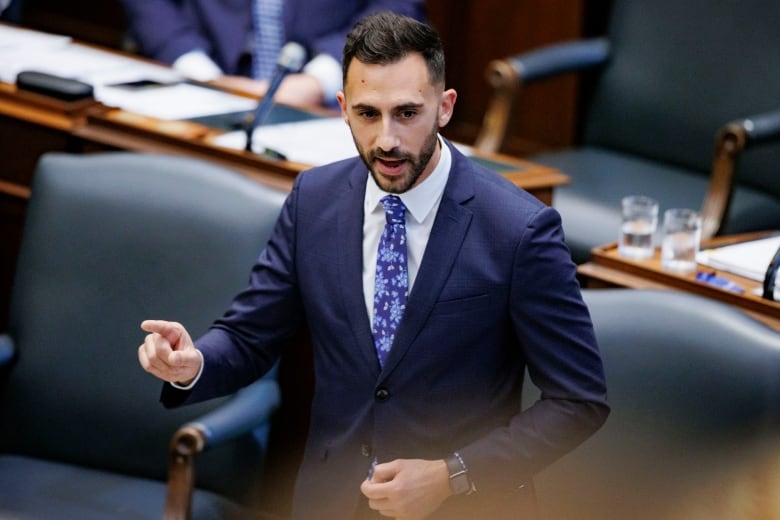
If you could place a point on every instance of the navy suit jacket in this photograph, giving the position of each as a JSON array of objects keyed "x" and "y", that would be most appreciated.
[
  {"x": 495, "y": 294},
  {"x": 166, "y": 29}
]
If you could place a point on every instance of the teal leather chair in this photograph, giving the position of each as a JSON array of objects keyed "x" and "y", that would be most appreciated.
[
  {"x": 112, "y": 239},
  {"x": 680, "y": 101},
  {"x": 694, "y": 428}
]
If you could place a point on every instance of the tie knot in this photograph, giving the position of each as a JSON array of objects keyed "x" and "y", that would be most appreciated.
[{"x": 394, "y": 210}]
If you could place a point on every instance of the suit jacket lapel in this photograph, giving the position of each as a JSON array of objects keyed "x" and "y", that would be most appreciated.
[
  {"x": 447, "y": 235},
  {"x": 349, "y": 240}
]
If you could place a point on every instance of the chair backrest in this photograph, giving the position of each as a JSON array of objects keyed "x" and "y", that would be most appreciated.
[
  {"x": 110, "y": 240},
  {"x": 678, "y": 72},
  {"x": 695, "y": 396}
]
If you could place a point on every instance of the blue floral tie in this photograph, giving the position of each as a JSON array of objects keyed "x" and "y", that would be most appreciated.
[{"x": 392, "y": 277}]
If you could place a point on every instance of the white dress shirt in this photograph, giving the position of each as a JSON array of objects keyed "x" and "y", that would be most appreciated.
[{"x": 422, "y": 203}]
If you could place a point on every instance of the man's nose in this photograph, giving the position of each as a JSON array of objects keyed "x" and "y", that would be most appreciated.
[{"x": 388, "y": 137}]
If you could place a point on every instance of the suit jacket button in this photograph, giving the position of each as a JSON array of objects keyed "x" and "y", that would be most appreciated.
[
  {"x": 382, "y": 394},
  {"x": 365, "y": 450}
]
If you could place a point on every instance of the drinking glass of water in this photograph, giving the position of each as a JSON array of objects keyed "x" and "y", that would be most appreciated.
[
  {"x": 682, "y": 234},
  {"x": 640, "y": 220}
]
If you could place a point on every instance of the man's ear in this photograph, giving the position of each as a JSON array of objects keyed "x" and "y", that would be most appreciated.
[
  {"x": 342, "y": 99},
  {"x": 447, "y": 106}
]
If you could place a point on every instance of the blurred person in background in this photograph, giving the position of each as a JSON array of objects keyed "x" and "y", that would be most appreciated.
[{"x": 235, "y": 43}]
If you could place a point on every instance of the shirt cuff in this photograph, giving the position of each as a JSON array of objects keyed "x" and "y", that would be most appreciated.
[
  {"x": 197, "y": 65},
  {"x": 200, "y": 371},
  {"x": 327, "y": 70}
]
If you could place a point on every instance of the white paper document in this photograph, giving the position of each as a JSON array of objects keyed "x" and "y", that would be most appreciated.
[
  {"x": 175, "y": 101},
  {"x": 81, "y": 62},
  {"x": 17, "y": 37},
  {"x": 314, "y": 142},
  {"x": 749, "y": 259},
  {"x": 22, "y": 50}
]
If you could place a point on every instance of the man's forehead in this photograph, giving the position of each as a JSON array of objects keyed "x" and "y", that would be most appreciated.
[
  {"x": 412, "y": 62},
  {"x": 392, "y": 85}
]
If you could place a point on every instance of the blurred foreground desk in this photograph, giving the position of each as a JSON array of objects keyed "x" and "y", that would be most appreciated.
[{"x": 608, "y": 269}]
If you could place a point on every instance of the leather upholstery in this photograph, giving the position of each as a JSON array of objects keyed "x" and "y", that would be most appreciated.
[
  {"x": 590, "y": 206},
  {"x": 677, "y": 72},
  {"x": 694, "y": 430},
  {"x": 112, "y": 239},
  {"x": 666, "y": 79}
]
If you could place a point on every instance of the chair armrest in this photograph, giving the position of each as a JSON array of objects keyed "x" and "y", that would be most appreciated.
[
  {"x": 760, "y": 128},
  {"x": 507, "y": 75},
  {"x": 561, "y": 58},
  {"x": 248, "y": 409},
  {"x": 7, "y": 350},
  {"x": 731, "y": 140}
]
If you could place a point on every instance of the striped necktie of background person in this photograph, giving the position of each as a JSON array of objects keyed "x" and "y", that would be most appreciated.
[{"x": 269, "y": 36}]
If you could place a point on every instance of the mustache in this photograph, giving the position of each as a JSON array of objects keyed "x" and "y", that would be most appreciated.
[{"x": 392, "y": 155}]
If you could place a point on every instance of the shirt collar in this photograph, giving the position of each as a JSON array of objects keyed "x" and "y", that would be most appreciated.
[{"x": 421, "y": 199}]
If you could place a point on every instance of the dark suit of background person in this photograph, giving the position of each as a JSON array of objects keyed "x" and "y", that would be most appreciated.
[
  {"x": 496, "y": 292},
  {"x": 167, "y": 29},
  {"x": 10, "y": 10}
]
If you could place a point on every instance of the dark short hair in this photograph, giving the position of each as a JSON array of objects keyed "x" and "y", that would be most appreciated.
[{"x": 386, "y": 37}]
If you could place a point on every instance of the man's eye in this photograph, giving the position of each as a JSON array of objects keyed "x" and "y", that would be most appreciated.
[
  {"x": 367, "y": 114},
  {"x": 408, "y": 114}
]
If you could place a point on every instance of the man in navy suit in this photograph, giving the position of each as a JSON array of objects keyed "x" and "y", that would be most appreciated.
[
  {"x": 437, "y": 430},
  {"x": 211, "y": 40}
]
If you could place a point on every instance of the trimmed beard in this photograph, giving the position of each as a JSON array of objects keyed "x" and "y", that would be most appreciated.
[{"x": 418, "y": 164}]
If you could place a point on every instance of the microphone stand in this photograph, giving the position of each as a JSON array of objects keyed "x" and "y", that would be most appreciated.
[
  {"x": 290, "y": 59},
  {"x": 264, "y": 108}
]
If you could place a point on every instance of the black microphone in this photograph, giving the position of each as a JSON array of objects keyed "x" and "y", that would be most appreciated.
[
  {"x": 290, "y": 59},
  {"x": 770, "y": 278}
]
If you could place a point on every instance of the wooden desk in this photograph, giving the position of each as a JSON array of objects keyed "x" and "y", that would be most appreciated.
[
  {"x": 89, "y": 127},
  {"x": 608, "y": 269},
  {"x": 127, "y": 131},
  {"x": 31, "y": 125}
]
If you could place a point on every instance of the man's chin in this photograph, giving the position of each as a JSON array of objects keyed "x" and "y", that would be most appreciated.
[{"x": 392, "y": 184}]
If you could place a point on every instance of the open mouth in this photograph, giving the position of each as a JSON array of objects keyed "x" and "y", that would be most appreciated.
[{"x": 390, "y": 165}]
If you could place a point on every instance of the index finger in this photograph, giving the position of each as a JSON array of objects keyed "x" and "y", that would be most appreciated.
[{"x": 169, "y": 330}]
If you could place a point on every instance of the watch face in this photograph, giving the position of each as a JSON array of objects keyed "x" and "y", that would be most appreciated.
[{"x": 459, "y": 484}]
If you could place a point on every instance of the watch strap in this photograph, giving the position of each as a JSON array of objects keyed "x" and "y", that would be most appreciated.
[{"x": 458, "y": 474}]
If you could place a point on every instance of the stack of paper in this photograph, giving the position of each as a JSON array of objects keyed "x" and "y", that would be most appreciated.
[
  {"x": 749, "y": 259},
  {"x": 112, "y": 74},
  {"x": 314, "y": 142}
]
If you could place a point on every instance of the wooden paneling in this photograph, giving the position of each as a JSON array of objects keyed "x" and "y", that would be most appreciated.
[
  {"x": 476, "y": 32},
  {"x": 101, "y": 22}
]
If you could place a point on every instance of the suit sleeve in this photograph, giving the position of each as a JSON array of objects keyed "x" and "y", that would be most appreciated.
[
  {"x": 164, "y": 29},
  {"x": 243, "y": 345},
  {"x": 558, "y": 343},
  {"x": 332, "y": 43}
]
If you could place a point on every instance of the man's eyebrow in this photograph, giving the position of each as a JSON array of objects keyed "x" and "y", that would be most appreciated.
[
  {"x": 408, "y": 106},
  {"x": 399, "y": 108}
]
